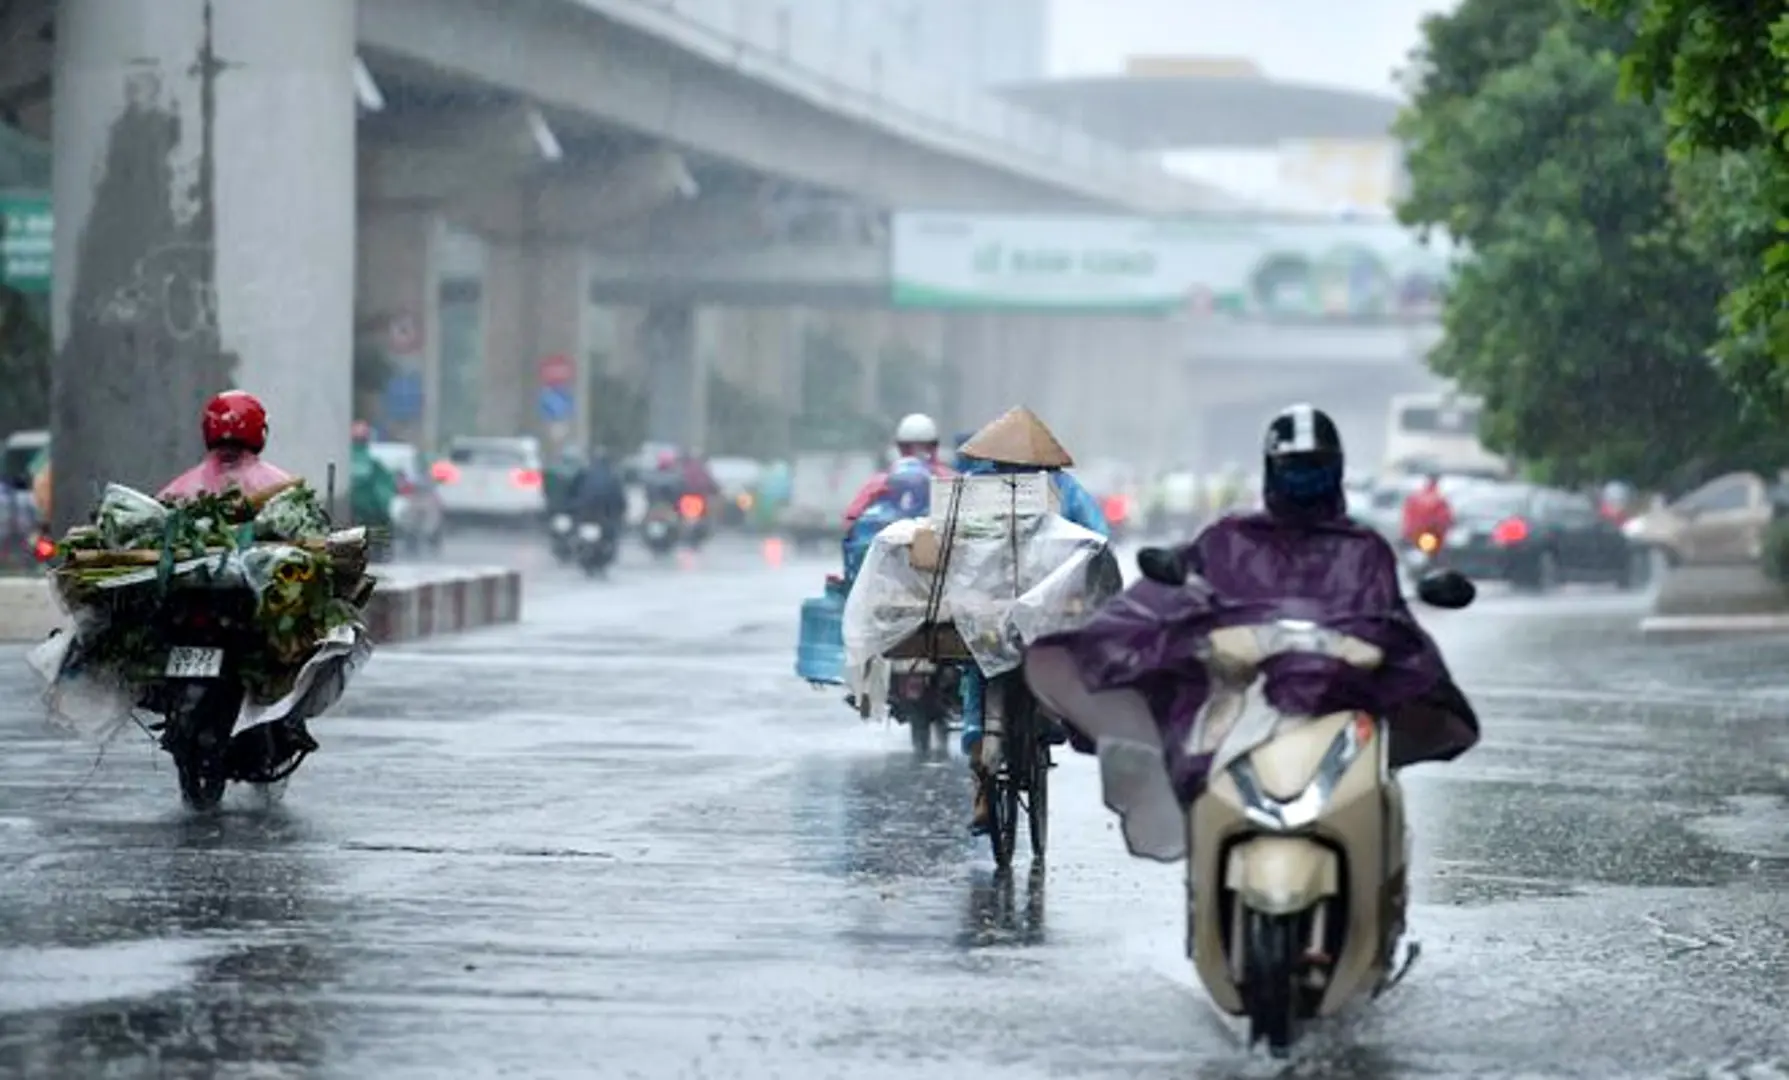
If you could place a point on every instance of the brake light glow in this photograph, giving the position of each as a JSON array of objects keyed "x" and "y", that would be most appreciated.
[
  {"x": 1509, "y": 531},
  {"x": 44, "y": 550},
  {"x": 444, "y": 472},
  {"x": 691, "y": 507},
  {"x": 525, "y": 478},
  {"x": 1117, "y": 508}
]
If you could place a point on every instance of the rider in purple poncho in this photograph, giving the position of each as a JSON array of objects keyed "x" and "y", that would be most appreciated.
[{"x": 1136, "y": 666}]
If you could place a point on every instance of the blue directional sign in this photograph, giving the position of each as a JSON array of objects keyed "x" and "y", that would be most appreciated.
[
  {"x": 403, "y": 398},
  {"x": 556, "y": 404}
]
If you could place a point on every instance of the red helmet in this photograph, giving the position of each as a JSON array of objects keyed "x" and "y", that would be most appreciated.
[{"x": 235, "y": 417}]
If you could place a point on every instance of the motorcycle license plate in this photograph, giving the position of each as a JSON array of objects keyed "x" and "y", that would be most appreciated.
[
  {"x": 185, "y": 662},
  {"x": 656, "y": 529},
  {"x": 590, "y": 532}
]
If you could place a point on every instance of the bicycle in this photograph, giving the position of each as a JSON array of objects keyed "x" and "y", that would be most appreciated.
[{"x": 1022, "y": 779}]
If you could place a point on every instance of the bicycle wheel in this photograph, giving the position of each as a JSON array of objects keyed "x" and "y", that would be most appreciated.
[{"x": 1038, "y": 801}]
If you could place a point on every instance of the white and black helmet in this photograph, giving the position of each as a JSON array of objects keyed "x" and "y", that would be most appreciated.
[{"x": 1302, "y": 458}]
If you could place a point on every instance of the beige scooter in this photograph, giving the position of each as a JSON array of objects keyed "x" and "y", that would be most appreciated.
[{"x": 1298, "y": 878}]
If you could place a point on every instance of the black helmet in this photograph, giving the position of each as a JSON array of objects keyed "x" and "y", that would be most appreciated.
[{"x": 1302, "y": 462}]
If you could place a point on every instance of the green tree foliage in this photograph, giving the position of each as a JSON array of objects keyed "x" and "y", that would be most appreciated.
[
  {"x": 1720, "y": 69},
  {"x": 1584, "y": 310}
]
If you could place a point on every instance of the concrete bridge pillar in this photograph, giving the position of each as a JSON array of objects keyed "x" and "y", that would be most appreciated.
[
  {"x": 676, "y": 376},
  {"x": 537, "y": 312},
  {"x": 397, "y": 285},
  {"x": 204, "y": 199}
]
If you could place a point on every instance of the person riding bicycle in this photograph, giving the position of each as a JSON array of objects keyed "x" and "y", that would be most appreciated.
[{"x": 1015, "y": 442}]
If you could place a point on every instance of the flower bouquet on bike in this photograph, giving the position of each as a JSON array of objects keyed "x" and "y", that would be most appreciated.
[{"x": 229, "y": 619}]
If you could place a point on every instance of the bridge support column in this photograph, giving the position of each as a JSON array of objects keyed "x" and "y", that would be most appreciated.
[
  {"x": 676, "y": 376},
  {"x": 537, "y": 307},
  {"x": 204, "y": 199},
  {"x": 397, "y": 299}
]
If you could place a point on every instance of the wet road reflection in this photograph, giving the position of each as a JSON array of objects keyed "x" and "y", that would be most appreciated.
[{"x": 622, "y": 840}]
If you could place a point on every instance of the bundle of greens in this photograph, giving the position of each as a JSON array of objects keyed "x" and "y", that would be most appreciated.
[{"x": 115, "y": 574}]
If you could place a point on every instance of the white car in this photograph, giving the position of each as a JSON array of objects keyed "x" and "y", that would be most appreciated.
[{"x": 492, "y": 478}]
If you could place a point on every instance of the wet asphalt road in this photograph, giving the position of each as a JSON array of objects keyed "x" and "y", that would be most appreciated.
[{"x": 623, "y": 841}]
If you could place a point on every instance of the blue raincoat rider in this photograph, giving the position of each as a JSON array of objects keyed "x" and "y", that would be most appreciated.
[
  {"x": 1016, "y": 442},
  {"x": 907, "y": 493}
]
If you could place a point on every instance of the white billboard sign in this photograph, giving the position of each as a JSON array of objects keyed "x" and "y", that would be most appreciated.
[{"x": 1301, "y": 270}]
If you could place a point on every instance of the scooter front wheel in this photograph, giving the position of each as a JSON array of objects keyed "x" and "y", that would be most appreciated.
[{"x": 1270, "y": 977}]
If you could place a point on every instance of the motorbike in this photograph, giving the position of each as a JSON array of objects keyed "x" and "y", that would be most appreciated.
[
  {"x": 692, "y": 511},
  {"x": 561, "y": 532},
  {"x": 924, "y": 696},
  {"x": 660, "y": 529},
  {"x": 1298, "y": 880},
  {"x": 1420, "y": 554},
  {"x": 595, "y": 547},
  {"x": 199, "y": 694}
]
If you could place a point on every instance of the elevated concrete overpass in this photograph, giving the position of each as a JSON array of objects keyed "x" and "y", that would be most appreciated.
[{"x": 741, "y": 81}]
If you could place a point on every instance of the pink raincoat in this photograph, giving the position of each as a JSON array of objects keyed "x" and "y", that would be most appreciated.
[{"x": 220, "y": 472}]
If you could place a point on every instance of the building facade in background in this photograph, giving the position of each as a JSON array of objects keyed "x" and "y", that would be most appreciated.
[{"x": 974, "y": 42}]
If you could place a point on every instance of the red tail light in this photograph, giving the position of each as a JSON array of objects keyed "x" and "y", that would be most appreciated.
[
  {"x": 691, "y": 507},
  {"x": 444, "y": 472},
  {"x": 525, "y": 478},
  {"x": 44, "y": 549},
  {"x": 1117, "y": 508},
  {"x": 1509, "y": 531},
  {"x": 405, "y": 487}
]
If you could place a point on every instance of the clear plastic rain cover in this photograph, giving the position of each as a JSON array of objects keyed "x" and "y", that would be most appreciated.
[{"x": 1004, "y": 585}]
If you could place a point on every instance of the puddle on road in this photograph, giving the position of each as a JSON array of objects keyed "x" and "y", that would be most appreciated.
[{"x": 60, "y": 978}]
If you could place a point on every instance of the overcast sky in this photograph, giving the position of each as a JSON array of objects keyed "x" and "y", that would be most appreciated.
[{"x": 1342, "y": 43}]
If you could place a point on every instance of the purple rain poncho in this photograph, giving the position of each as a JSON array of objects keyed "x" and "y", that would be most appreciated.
[{"x": 1133, "y": 673}]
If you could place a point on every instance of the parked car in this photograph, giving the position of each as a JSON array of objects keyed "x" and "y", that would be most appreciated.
[
  {"x": 1536, "y": 538},
  {"x": 418, "y": 518},
  {"x": 492, "y": 478},
  {"x": 1722, "y": 522}
]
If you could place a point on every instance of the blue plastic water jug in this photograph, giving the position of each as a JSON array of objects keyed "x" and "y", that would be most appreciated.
[{"x": 820, "y": 654}]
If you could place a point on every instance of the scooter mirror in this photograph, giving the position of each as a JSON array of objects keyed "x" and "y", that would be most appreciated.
[
  {"x": 1448, "y": 589},
  {"x": 1161, "y": 566}
]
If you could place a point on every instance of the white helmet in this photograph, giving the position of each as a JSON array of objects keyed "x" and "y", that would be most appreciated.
[{"x": 916, "y": 428}]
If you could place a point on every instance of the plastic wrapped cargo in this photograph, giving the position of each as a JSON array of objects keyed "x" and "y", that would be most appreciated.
[{"x": 1000, "y": 587}]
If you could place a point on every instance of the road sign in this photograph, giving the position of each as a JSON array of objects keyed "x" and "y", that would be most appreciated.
[
  {"x": 558, "y": 370},
  {"x": 26, "y": 249},
  {"x": 556, "y": 405},
  {"x": 403, "y": 335},
  {"x": 403, "y": 398}
]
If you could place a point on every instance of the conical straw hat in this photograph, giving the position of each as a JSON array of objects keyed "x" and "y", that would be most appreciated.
[{"x": 1017, "y": 437}]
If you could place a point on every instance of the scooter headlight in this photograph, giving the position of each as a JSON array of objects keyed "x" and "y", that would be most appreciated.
[{"x": 1302, "y": 811}]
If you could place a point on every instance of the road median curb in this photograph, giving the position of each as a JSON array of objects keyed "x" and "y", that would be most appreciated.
[
  {"x": 1713, "y": 626},
  {"x": 408, "y": 605}
]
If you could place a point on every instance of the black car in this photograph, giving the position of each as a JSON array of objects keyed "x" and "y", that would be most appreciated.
[{"x": 1536, "y": 538}]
